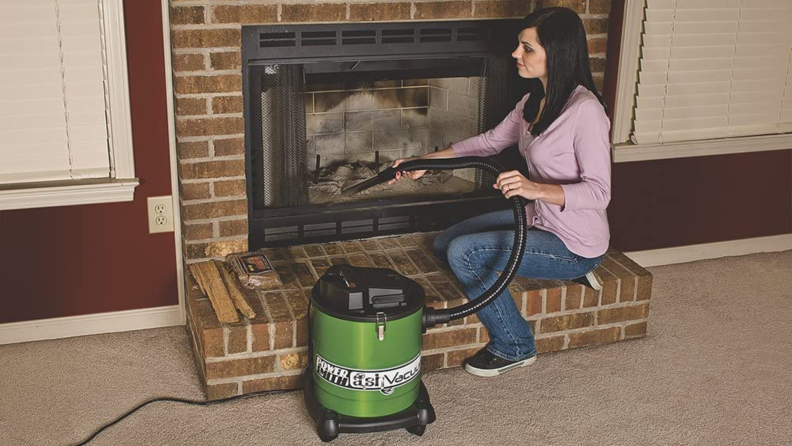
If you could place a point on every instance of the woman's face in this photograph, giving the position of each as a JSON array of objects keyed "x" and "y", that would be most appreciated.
[{"x": 530, "y": 55}]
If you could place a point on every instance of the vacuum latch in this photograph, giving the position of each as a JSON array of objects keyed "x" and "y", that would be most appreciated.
[{"x": 382, "y": 319}]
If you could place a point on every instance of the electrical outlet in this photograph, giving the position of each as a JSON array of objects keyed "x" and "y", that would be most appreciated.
[{"x": 160, "y": 214}]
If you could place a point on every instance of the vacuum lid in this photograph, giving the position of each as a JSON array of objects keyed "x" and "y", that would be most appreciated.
[{"x": 360, "y": 294}]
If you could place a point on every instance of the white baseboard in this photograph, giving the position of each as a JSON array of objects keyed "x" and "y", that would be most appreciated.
[
  {"x": 692, "y": 253},
  {"x": 65, "y": 327}
]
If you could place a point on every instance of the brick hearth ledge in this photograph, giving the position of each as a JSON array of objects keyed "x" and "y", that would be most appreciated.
[{"x": 270, "y": 351}]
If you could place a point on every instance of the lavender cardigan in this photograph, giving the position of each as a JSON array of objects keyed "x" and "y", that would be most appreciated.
[{"x": 573, "y": 152}]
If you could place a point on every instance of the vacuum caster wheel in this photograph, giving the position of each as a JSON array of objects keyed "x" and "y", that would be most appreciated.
[
  {"x": 418, "y": 429},
  {"x": 327, "y": 428}
]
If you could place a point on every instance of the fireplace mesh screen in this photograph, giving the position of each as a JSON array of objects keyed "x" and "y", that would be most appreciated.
[
  {"x": 496, "y": 98},
  {"x": 283, "y": 143}
]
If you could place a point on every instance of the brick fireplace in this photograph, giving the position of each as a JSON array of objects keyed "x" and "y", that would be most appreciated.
[{"x": 267, "y": 352}]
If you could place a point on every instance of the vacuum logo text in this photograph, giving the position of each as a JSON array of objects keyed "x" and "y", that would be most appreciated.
[{"x": 383, "y": 380}]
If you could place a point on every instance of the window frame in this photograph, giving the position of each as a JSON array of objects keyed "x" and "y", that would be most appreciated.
[
  {"x": 626, "y": 91},
  {"x": 121, "y": 184}
]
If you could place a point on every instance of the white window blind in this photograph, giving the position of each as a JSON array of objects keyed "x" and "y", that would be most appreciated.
[
  {"x": 53, "y": 91},
  {"x": 714, "y": 69}
]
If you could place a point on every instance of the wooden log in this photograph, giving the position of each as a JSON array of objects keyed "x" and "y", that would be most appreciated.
[
  {"x": 237, "y": 295},
  {"x": 210, "y": 282}
]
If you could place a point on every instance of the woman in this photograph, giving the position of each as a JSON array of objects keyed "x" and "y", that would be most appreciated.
[{"x": 561, "y": 129}]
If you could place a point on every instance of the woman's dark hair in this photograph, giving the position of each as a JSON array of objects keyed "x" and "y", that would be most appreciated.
[{"x": 563, "y": 37}]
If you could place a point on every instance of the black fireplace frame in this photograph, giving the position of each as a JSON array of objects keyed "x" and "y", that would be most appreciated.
[{"x": 372, "y": 51}]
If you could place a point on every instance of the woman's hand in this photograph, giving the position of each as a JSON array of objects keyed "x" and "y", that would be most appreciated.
[
  {"x": 513, "y": 183},
  {"x": 413, "y": 175}
]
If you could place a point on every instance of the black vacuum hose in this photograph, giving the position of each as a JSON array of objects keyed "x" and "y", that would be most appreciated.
[{"x": 441, "y": 316}]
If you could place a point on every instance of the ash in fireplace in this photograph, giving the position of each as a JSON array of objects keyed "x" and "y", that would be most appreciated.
[{"x": 333, "y": 179}]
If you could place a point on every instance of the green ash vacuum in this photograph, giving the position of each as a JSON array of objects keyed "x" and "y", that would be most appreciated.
[{"x": 364, "y": 372}]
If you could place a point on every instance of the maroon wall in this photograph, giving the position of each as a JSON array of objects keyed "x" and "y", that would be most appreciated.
[
  {"x": 686, "y": 201},
  {"x": 79, "y": 260}
]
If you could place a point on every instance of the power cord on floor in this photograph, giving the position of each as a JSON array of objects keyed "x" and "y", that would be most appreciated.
[{"x": 177, "y": 400}]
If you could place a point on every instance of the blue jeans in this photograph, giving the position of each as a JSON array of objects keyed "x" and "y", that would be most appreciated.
[{"x": 478, "y": 248}]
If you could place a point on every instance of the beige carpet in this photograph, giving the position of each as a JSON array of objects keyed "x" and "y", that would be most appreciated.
[{"x": 715, "y": 369}]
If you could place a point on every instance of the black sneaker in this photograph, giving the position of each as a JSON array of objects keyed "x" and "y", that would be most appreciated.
[
  {"x": 484, "y": 363},
  {"x": 591, "y": 280}
]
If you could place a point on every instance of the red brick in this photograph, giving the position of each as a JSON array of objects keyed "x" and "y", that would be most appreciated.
[
  {"x": 613, "y": 315},
  {"x": 219, "y": 391},
  {"x": 635, "y": 330},
  {"x": 240, "y": 367},
  {"x": 596, "y": 26},
  {"x": 206, "y": 38},
  {"x": 456, "y": 337},
  {"x": 225, "y": 83},
  {"x": 215, "y": 209},
  {"x": 191, "y": 106},
  {"x": 594, "y": 337},
  {"x": 195, "y": 191},
  {"x": 483, "y": 335},
  {"x": 229, "y": 147},
  {"x": 574, "y": 297},
  {"x": 534, "y": 302},
  {"x": 432, "y": 362},
  {"x": 190, "y": 150},
  {"x": 230, "y": 228},
  {"x": 323, "y": 12},
  {"x": 442, "y": 10},
  {"x": 610, "y": 285},
  {"x": 590, "y": 297},
  {"x": 627, "y": 278},
  {"x": 578, "y": 6},
  {"x": 212, "y": 341},
  {"x": 189, "y": 62},
  {"x": 187, "y": 15},
  {"x": 379, "y": 12},
  {"x": 287, "y": 382},
  {"x": 198, "y": 232},
  {"x": 210, "y": 127},
  {"x": 210, "y": 331},
  {"x": 261, "y": 336},
  {"x": 599, "y": 6},
  {"x": 292, "y": 361},
  {"x": 644, "y": 288},
  {"x": 552, "y": 344},
  {"x": 302, "y": 332},
  {"x": 237, "y": 338},
  {"x": 597, "y": 64},
  {"x": 501, "y": 8},
  {"x": 226, "y": 60},
  {"x": 284, "y": 335},
  {"x": 567, "y": 322},
  {"x": 553, "y": 302},
  {"x": 212, "y": 169},
  {"x": 230, "y": 188},
  {"x": 245, "y": 14},
  {"x": 227, "y": 104},
  {"x": 598, "y": 46}
]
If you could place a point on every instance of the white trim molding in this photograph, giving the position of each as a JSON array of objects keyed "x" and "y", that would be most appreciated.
[
  {"x": 627, "y": 79},
  {"x": 692, "y": 253},
  {"x": 66, "y": 327},
  {"x": 120, "y": 116},
  {"x": 174, "y": 161},
  {"x": 625, "y": 153},
  {"x": 66, "y": 193}
]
